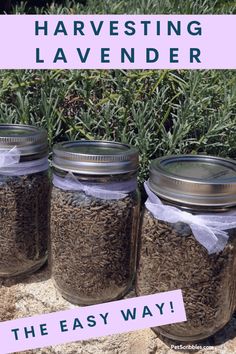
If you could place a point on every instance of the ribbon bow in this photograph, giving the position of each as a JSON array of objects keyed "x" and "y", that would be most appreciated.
[
  {"x": 10, "y": 164},
  {"x": 9, "y": 157},
  {"x": 208, "y": 229},
  {"x": 109, "y": 191}
]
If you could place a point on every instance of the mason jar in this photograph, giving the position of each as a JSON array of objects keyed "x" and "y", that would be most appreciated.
[
  {"x": 94, "y": 220},
  {"x": 188, "y": 237},
  {"x": 24, "y": 199}
]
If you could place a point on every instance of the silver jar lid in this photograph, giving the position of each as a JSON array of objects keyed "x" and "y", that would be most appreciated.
[
  {"x": 95, "y": 157},
  {"x": 194, "y": 180},
  {"x": 30, "y": 140}
]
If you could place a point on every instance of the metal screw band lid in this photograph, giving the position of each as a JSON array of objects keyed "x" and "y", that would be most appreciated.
[
  {"x": 95, "y": 157},
  {"x": 194, "y": 180},
  {"x": 30, "y": 140}
]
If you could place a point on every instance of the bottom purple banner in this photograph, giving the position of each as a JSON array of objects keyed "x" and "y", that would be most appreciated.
[{"x": 92, "y": 321}]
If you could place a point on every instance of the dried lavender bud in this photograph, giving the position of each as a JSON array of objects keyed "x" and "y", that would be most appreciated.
[
  {"x": 93, "y": 245},
  {"x": 171, "y": 259},
  {"x": 24, "y": 203}
]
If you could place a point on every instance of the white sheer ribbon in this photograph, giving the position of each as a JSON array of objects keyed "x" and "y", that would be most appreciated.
[
  {"x": 208, "y": 229},
  {"x": 108, "y": 191},
  {"x": 10, "y": 164}
]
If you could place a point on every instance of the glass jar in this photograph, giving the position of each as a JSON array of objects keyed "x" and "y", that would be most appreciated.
[
  {"x": 188, "y": 241},
  {"x": 94, "y": 220},
  {"x": 24, "y": 199}
]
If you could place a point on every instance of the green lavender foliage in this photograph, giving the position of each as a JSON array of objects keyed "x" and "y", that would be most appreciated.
[
  {"x": 132, "y": 6},
  {"x": 161, "y": 112}
]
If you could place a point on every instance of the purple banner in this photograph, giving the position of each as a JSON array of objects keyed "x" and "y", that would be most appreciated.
[
  {"x": 117, "y": 41},
  {"x": 92, "y": 321}
]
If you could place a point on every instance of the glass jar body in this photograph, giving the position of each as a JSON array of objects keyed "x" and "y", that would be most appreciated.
[
  {"x": 24, "y": 223},
  {"x": 171, "y": 258},
  {"x": 93, "y": 243}
]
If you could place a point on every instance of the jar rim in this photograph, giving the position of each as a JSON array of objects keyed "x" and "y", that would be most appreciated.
[
  {"x": 95, "y": 157},
  {"x": 28, "y": 139},
  {"x": 195, "y": 180}
]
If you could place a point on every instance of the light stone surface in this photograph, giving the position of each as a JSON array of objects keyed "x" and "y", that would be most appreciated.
[{"x": 37, "y": 295}]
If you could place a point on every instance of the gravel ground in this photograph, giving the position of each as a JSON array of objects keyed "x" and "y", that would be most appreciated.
[{"x": 36, "y": 295}]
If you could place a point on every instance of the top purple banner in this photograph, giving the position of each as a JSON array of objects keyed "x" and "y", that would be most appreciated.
[{"x": 117, "y": 42}]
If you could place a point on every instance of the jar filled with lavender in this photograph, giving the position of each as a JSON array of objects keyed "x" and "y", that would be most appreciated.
[
  {"x": 24, "y": 199},
  {"x": 188, "y": 241},
  {"x": 94, "y": 220}
]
